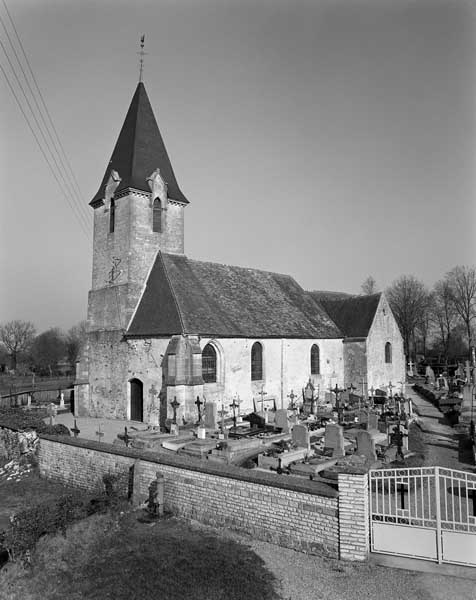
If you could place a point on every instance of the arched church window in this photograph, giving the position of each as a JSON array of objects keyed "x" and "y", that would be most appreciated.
[
  {"x": 157, "y": 216},
  {"x": 388, "y": 352},
  {"x": 315, "y": 360},
  {"x": 112, "y": 216},
  {"x": 256, "y": 362},
  {"x": 209, "y": 364}
]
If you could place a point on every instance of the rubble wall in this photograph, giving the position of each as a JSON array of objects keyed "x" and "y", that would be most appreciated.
[
  {"x": 14, "y": 443},
  {"x": 293, "y": 513},
  {"x": 113, "y": 362}
]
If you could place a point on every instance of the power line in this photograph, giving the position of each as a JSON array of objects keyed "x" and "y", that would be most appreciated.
[
  {"x": 65, "y": 184},
  {"x": 41, "y": 149},
  {"x": 45, "y": 107}
]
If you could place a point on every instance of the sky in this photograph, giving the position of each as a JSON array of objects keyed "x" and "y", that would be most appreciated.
[{"x": 326, "y": 139}]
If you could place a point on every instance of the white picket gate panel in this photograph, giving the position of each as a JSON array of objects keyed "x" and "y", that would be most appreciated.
[{"x": 427, "y": 512}]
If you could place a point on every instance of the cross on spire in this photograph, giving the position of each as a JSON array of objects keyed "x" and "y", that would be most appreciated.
[{"x": 142, "y": 54}]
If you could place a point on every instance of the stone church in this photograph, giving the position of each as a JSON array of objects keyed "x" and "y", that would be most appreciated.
[{"x": 165, "y": 326}]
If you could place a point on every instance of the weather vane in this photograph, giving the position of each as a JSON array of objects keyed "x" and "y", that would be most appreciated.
[{"x": 142, "y": 54}]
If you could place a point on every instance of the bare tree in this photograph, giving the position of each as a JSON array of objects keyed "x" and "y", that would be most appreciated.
[
  {"x": 48, "y": 349},
  {"x": 462, "y": 283},
  {"x": 17, "y": 337},
  {"x": 369, "y": 286},
  {"x": 408, "y": 300},
  {"x": 443, "y": 313},
  {"x": 75, "y": 341}
]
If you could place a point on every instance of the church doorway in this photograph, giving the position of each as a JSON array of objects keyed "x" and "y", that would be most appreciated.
[{"x": 137, "y": 400}]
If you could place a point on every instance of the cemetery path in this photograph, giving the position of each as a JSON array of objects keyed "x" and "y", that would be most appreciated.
[{"x": 442, "y": 442}]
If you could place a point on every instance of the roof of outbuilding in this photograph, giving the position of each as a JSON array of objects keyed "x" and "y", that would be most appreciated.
[
  {"x": 139, "y": 151},
  {"x": 214, "y": 300},
  {"x": 354, "y": 315}
]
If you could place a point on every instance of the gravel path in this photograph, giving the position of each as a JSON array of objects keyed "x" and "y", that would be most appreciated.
[{"x": 441, "y": 440}]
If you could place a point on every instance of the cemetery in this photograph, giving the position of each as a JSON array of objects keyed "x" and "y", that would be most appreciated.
[
  {"x": 293, "y": 476},
  {"x": 312, "y": 438}
]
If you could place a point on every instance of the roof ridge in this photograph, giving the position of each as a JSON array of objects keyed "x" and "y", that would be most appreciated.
[{"x": 210, "y": 262}]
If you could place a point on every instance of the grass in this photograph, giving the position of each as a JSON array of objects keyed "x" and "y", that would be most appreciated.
[
  {"x": 29, "y": 491},
  {"x": 116, "y": 557}
]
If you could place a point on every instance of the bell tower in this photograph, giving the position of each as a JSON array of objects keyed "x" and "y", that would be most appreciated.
[{"x": 138, "y": 210}]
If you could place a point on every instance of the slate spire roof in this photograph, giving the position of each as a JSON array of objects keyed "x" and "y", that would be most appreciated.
[
  {"x": 139, "y": 151},
  {"x": 212, "y": 300}
]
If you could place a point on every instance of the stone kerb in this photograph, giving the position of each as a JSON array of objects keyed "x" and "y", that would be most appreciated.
[{"x": 353, "y": 516}]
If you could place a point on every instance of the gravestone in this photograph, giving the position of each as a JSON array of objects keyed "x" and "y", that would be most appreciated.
[
  {"x": 201, "y": 432},
  {"x": 210, "y": 419},
  {"x": 366, "y": 445},
  {"x": 61, "y": 405},
  {"x": 28, "y": 402},
  {"x": 334, "y": 439},
  {"x": 372, "y": 422},
  {"x": 174, "y": 429},
  {"x": 281, "y": 420},
  {"x": 300, "y": 436},
  {"x": 52, "y": 412},
  {"x": 430, "y": 374}
]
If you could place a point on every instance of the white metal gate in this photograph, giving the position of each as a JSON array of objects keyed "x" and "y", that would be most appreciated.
[{"x": 427, "y": 512}]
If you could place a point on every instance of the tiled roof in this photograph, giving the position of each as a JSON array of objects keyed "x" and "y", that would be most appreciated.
[
  {"x": 214, "y": 300},
  {"x": 354, "y": 315},
  {"x": 139, "y": 151}
]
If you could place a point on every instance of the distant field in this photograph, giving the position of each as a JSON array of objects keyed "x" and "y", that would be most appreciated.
[{"x": 12, "y": 385}]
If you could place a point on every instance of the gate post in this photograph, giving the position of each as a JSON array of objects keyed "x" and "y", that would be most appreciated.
[
  {"x": 353, "y": 516},
  {"x": 439, "y": 549}
]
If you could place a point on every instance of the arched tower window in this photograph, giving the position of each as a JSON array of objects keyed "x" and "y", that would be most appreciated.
[
  {"x": 209, "y": 364},
  {"x": 256, "y": 362},
  {"x": 112, "y": 216},
  {"x": 315, "y": 360},
  {"x": 388, "y": 352},
  {"x": 157, "y": 216}
]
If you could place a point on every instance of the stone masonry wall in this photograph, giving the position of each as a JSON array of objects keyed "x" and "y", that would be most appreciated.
[
  {"x": 385, "y": 329},
  {"x": 292, "y": 513}
]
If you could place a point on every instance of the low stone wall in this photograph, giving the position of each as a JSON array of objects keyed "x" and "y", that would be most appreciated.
[
  {"x": 291, "y": 512},
  {"x": 15, "y": 443}
]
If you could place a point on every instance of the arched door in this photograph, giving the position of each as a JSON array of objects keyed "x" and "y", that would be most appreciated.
[{"x": 137, "y": 400}]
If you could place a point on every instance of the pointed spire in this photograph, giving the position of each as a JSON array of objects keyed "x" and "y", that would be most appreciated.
[{"x": 139, "y": 151}]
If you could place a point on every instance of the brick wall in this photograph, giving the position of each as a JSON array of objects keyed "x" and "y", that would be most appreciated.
[
  {"x": 353, "y": 516},
  {"x": 294, "y": 513}
]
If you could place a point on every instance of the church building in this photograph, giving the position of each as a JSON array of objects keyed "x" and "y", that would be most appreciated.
[{"x": 164, "y": 326}]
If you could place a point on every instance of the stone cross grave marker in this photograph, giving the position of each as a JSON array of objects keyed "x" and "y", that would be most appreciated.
[
  {"x": 234, "y": 406},
  {"x": 262, "y": 394},
  {"x": 210, "y": 415},
  {"x": 222, "y": 414},
  {"x": 300, "y": 436},
  {"x": 334, "y": 439},
  {"x": 174, "y": 404},
  {"x": 198, "y": 404},
  {"x": 366, "y": 445},
  {"x": 281, "y": 420},
  {"x": 292, "y": 397},
  {"x": 410, "y": 369}
]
